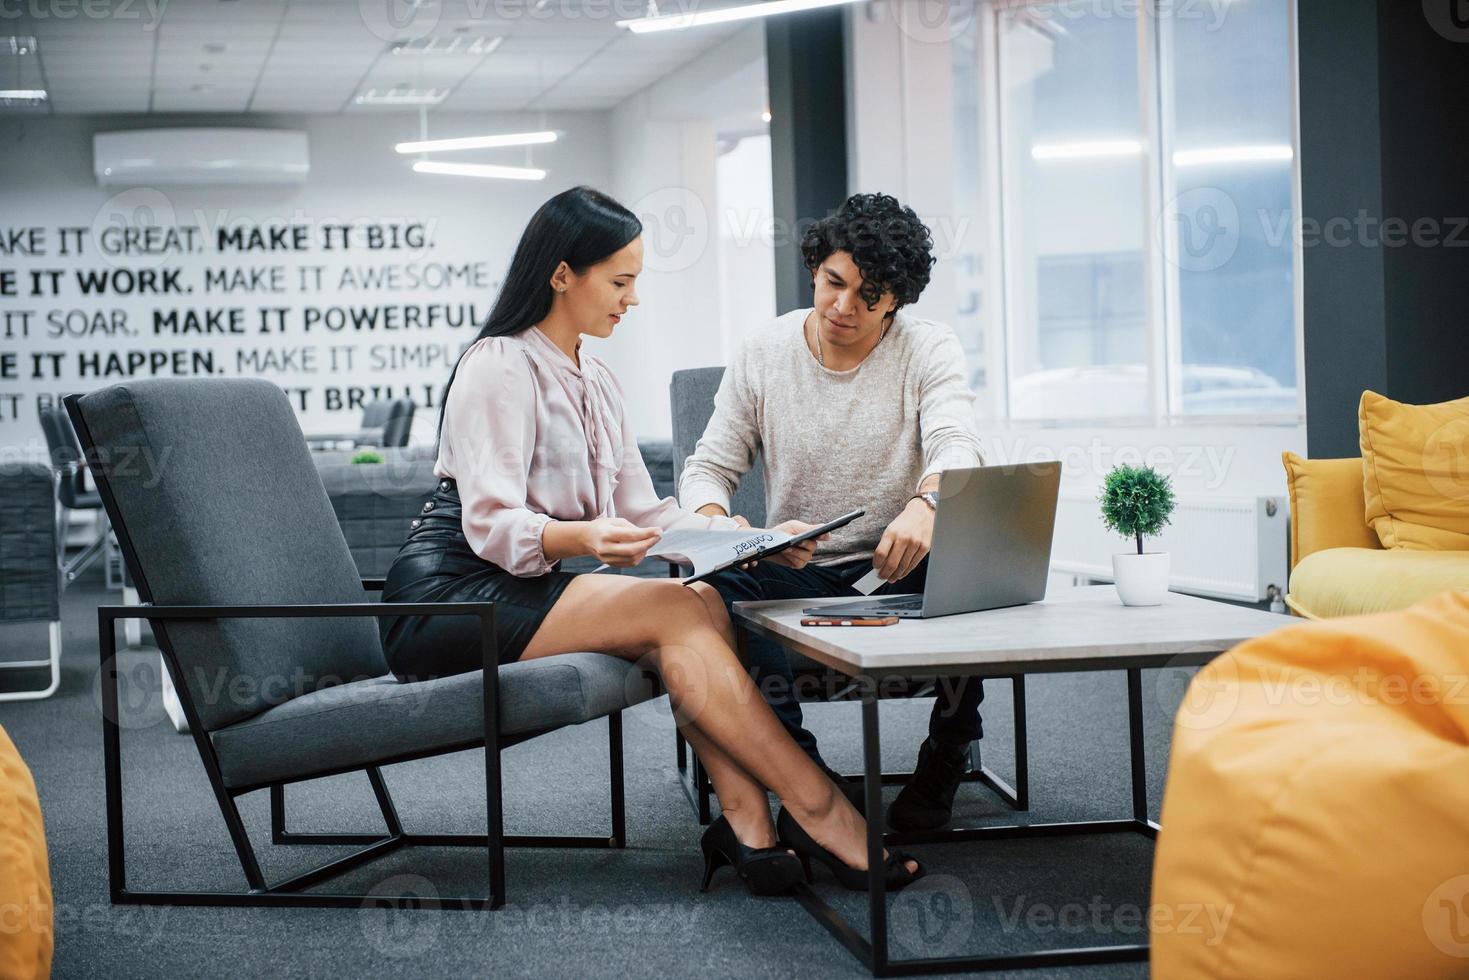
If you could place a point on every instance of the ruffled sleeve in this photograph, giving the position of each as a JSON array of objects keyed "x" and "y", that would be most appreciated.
[
  {"x": 487, "y": 445},
  {"x": 634, "y": 497}
]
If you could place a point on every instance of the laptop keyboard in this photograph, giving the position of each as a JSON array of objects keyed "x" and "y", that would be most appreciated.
[{"x": 903, "y": 602}]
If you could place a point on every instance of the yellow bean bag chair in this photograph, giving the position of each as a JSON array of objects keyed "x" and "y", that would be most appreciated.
[
  {"x": 1316, "y": 819},
  {"x": 25, "y": 881}
]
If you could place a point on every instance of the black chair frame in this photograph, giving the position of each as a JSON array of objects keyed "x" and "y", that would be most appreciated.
[{"x": 291, "y": 893}]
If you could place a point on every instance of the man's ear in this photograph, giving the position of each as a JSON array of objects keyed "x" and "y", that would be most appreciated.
[{"x": 561, "y": 278}]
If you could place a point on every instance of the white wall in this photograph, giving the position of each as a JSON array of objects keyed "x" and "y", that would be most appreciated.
[
  {"x": 355, "y": 177},
  {"x": 656, "y": 152},
  {"x": 900, "y": 142},
  {"x": 900, "y": 134},
  {"x": 664, "y": 167}
]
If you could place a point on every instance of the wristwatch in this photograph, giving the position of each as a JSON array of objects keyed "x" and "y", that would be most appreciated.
[{"x": 931, "y": 498}]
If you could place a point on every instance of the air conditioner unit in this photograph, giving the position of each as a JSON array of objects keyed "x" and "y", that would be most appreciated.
[{"x": 200, "y": 156}]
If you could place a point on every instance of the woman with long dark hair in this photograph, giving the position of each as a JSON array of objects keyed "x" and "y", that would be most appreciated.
[{"x": 537, "y": 463}]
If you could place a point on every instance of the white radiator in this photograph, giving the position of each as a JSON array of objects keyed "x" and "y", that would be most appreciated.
[{"x": 1223, "y": 547}]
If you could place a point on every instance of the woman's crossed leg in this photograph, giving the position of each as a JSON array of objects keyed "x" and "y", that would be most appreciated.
[{"x": 741, "y": 743}]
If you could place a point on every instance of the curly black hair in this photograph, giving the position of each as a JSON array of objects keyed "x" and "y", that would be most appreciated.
[{"x": 892, "y": 248}]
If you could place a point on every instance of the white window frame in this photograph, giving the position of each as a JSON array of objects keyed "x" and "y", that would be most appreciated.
[{"x": 1160, "y": 277}]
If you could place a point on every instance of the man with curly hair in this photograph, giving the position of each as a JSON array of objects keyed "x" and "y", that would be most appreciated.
[{"x": 855, "y": 404}]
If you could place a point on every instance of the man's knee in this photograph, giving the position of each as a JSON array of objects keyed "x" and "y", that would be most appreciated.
[{"x": 736, "y": 585}]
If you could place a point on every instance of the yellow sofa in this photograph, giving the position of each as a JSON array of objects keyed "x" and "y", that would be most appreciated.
[{"x": 1338, "y": 565}]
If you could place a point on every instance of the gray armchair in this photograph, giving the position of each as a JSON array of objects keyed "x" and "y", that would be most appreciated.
[
  {"x": 399, "y": 424},
  {"x": 374, "y": 417},
  {"x": 30, "y": 577},
  {"x": 72, "y": 494},
  {"x": 259, "y": 612},
  {"x": 691, "y": 396}
]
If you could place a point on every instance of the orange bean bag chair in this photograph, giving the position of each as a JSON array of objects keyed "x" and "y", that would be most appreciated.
[
  {"x": 1316, "y": 818},
  {"x": 25, "y": 880}
]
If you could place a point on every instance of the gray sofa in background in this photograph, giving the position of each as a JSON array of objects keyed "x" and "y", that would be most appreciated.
[{"x": 374, "y": 502}]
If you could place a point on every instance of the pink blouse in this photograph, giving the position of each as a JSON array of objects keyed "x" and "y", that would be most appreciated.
[{"x": 529, "y": 437}]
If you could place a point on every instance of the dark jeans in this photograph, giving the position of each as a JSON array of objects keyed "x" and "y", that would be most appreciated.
[{"x": 955, "y": 717}]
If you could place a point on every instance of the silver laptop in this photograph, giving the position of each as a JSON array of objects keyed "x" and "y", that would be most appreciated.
[{"x": 991, "y": 545}]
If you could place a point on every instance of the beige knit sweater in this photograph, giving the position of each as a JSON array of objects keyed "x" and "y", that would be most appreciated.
[{"x": 836, "y": 441}]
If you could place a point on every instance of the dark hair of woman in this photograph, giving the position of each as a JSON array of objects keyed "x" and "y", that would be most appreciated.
[{"x": 580, "y": 227}]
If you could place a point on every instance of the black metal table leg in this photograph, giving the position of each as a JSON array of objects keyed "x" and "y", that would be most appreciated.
[
  {"x": 1137, "y": 751},
  {"x": 877, "y": 901},
  {"x": 873, "y": 952}
]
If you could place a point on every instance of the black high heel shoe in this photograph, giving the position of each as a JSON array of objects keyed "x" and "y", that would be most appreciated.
[
  {"x": 794, "y": 836},
  {"x": 764, "y": 870}
]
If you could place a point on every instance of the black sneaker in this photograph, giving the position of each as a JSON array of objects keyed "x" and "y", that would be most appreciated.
[{"x": 927, "y": 800}]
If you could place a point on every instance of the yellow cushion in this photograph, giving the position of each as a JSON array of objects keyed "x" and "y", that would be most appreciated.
[
  {"x": 25, "y": 881},
  {"x": 1316, "y": 818},
  {"x": 1415, "y": 468},
  {"x": 1351, "y": 581},
  {"x": 1326, "y": 505}
]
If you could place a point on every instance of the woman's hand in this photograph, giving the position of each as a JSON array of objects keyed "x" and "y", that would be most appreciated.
[
  {"x": 619, "y": 543},
  {"x": 797, "y": 555}
]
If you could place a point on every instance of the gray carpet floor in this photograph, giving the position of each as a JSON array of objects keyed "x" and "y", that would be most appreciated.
[{"x": 634, "y": 912}]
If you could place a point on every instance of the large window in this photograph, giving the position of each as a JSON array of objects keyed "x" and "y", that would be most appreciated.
[
  {"x": 1135, "y": 159},
  {"x": 1227, "y": 120}
]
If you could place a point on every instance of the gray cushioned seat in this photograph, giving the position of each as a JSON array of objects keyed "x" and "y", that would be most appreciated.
[
  {"x": 222, "y": 505},
  {"x": 217, "y": 501},
  {"x": 349, "y": 725}
]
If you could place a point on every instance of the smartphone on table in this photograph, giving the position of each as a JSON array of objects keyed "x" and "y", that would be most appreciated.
[{"x": 848, "y": 620}]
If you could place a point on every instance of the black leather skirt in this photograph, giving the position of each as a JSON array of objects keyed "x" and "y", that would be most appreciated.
[{"x": 436, "y": 564}]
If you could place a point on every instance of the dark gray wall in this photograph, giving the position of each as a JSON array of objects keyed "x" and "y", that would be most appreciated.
[
  {"x": 806, "y": 55},
  {"x": 1384, "y": 109}
]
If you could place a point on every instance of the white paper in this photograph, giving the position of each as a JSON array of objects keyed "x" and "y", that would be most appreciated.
[
  {"x": 869, "y": 583},
  {"x": 707, "y": 550}
]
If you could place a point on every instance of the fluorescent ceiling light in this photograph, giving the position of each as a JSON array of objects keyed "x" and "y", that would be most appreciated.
[
  {"x": 1262, "y": 153},
  {"x": 478, "y": 170},
  {"x": 33, "y": 94},
  {"x": 477, "y": 142},
  {"x": 677, "y": 22},
  {"x": 460, "y": 44},
  {"x": 1085, "y": 151},
  {"x": 403, "y": 96}
]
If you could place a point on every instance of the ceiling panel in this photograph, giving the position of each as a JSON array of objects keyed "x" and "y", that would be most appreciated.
[{"x": 317, "y": 55}]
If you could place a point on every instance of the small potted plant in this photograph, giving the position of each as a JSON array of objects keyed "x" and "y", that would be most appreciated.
[{"x": 1136, "y": 502}]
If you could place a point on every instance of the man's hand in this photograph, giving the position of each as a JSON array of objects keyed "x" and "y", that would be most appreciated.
[
  {"x": 714, "y": 510},
  {"x": 905, "y": 543},
  {"x": 797, "y": 555}
]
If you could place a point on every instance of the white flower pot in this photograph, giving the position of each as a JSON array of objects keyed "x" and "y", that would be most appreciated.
[{"x": 1142, "y": 580}]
